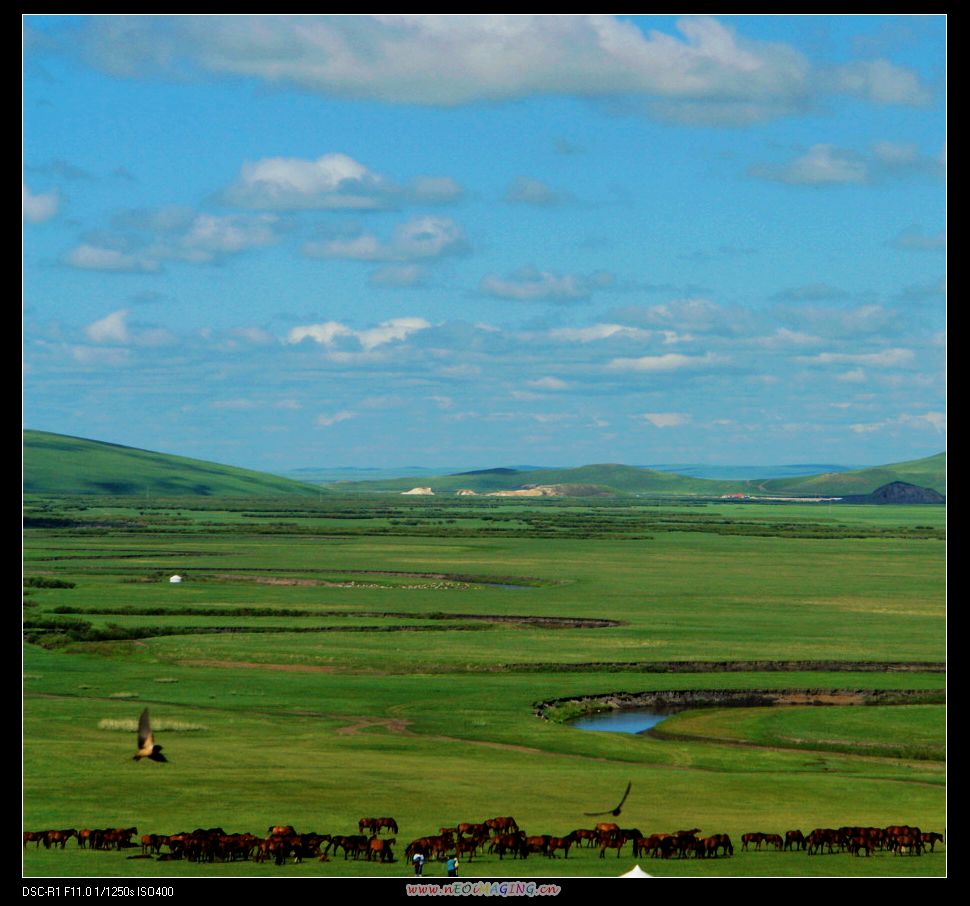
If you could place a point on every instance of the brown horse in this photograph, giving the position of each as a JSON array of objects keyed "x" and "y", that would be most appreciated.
[
  {"x": 376, "y": 825},
  {"x": 562, "y": 843},
  {"x": 506, "y": 825}
]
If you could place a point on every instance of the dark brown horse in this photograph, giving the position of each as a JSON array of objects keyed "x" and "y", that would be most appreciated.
[{"x": 376, "y": 825}]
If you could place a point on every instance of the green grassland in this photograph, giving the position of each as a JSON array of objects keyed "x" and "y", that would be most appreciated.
[
  {"x": 58, "y": 464},
  {"x": 331, "y": 657}
]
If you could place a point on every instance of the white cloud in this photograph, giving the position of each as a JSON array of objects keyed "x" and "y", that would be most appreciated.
[
  {"x": 328, "y": 333},
  {"x": 914, "y": 238},
  {"x": 40, "y": 207},
  {"x": 666, "y": 419},
  {"x": 692, "y": 314},
  {"x": 530, "y": 285},
  {"x": 398, "y": 275},
  {"x": 436, "y": 189},
  {"x": 821, "y": 165},
  {"x": 325, "y": 333},
  {"x": 598, "y": 332},
  {"x": 855, "y": 376},
  {"x": 548, "y": 383},
  {"x": 420, "y": 238},
  {"x": 532, "y": 191},
  {"x": 327, "y": 420},
  {"x": 389, "y": 331},
  {"x": 705, "y": 72},
  {"x": 670, "y": 362},
  {"x": 98, "y": 258},
  {"x": 886, "y": 358},
  {"x": 208, "y": 235},
  {"x": 896, "y": 154},
  {"x": 878, "y": 81},
  {"x": 98, "y": 355},
  {"x": 331, "y": 182},
  {"x": 110, "y": 329},
  {"x": 934, "y": 420}
]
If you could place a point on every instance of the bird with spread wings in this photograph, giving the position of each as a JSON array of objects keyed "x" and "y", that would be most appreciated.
[
  {"x": 613, "y": 811},
  {"x": 146, "y": 740}
]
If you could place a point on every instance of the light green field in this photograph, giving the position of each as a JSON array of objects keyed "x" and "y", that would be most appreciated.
[{"x": 375, "y": 686}]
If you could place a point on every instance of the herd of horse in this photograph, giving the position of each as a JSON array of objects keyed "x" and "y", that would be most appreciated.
[{"x": 500, "y": 836}]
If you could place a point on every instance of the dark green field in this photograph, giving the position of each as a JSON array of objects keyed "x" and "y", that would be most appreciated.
[{"x": 327, "y": 659}]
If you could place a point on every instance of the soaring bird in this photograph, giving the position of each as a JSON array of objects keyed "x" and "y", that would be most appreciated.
[
  {"x": 613, "y": 811},
  {"x": 146, "y": 741}
]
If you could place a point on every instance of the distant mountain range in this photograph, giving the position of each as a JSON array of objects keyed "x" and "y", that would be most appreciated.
[
  {"x": 55, "y": 464},
  {"x": 620, "y": 479}
]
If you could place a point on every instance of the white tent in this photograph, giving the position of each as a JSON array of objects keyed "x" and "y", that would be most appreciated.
[
  {"x": 636, "y": 872},
  {"x": 175, "y": 579}
]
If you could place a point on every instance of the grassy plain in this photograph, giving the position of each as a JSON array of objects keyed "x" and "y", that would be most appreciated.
[{"x": 335, "y": 658}]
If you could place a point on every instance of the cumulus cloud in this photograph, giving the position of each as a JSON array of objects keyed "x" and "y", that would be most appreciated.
[
  {"x": 398, "y": 275},
  {"x": 821, "y": 165},
  {"x": 705, "y": 72},
  {"x": 88, "y": 256},
  {"x": 173, "y": 234},
  {"x": 691, "y": 315},
  {"x": 420, "y": 238},
  {"x": 886, "y": 358},
  {"x": 832, "y": 321},
  {"x": 666, "y": 419},
  {"x": 598, "y": 332},
  {"x": 436, "y": 189},
  {"x": 914, "y": 238},
  {"x": 878, "y": 81},
  {"x": 548, "y": 383},
  {"x": 327, "y": 420},
  {"x": 530, "y": 284},
  {"x": 934, "y": 420},
  {"x": 328, "y": 333},
  {"x": 210, "y": 236},
  {"x": 110, "y": 329},
  {"x": 533, "y": 191},
  {"x": 333, "y": 181},
  {"x": 39, "y": 207},
  {"x": 670, "y": 362}
]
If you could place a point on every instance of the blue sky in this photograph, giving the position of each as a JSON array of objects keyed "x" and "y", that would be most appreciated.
[{"x": 284, "y": 242}]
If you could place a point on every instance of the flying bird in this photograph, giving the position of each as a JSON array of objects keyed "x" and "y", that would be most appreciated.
[
  {"x": 146, "y": 741},
  {"x": 613, "y": 811}
]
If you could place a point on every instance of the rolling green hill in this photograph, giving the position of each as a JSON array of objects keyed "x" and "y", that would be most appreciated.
[
  {"x": 55, "y": 464},
  {"x": 619, "y": 479},
  {"x": 927, "y": 473}
]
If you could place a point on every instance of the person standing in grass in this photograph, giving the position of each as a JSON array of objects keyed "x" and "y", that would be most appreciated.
[
  {"x": 418, "y": 864},
  {"x": 453, "y": 867}
]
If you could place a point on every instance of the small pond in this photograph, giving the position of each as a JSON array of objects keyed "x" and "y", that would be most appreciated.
[{"x": 626, "y": 720}]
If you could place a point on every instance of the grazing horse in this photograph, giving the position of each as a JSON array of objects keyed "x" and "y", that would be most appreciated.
[
  {"x": 562, "y": 843},
  {"x": 506, "y": 825},
  {"x": 612, "y": 840},
  {"x": 794, "y": 839},
  {"x": 380, "y": 849},
  {"x": 504, "y": 843},
  {"x": 374, "y": 825},
  {"x": 707, "y": 847},
  {"x": 756, "y": 838},
  {"x": 931, "y": 838}
]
